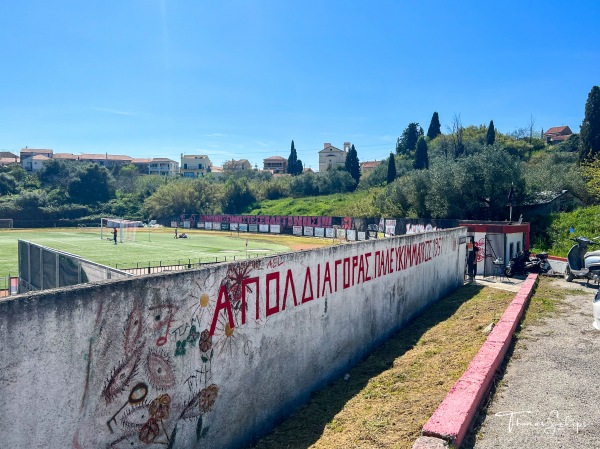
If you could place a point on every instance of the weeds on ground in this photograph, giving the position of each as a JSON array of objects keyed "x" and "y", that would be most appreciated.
[{"x": 391, "y": 394}]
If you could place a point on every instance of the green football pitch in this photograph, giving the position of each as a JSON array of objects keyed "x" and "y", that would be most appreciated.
[{"x": 151, "y": 247}]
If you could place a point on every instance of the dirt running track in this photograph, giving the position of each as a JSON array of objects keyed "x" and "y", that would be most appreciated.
[{"x": 548, "y": 396}]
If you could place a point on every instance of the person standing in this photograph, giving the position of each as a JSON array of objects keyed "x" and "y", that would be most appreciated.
[
  {"x": 475, "y": 251},
  {"x": 115, "y": 235},
  {"x": 175, "y": 233},
  {"x": 472, "y": 250}
]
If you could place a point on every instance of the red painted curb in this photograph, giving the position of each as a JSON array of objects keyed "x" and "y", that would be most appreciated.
[{"x": 451, "y": 421}]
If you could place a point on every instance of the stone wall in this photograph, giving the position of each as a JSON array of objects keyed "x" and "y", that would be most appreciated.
[{"x": 209, "y": 357}]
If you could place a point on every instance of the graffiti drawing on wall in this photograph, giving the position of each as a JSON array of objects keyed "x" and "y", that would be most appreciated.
[
  {"x": 481, "y": 253},
  {"x": 153, "y": 372},
  {"x": 160, "y": 383}
]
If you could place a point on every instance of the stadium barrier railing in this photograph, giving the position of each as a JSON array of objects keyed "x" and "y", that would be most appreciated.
[{"x": 158, "y": 266}]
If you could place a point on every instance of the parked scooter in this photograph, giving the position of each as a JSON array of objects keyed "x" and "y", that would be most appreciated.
[
  {"x": 582, "y": 264},
  {"x": 523, "y": 262},
  {"x": 544, "y": 262}
]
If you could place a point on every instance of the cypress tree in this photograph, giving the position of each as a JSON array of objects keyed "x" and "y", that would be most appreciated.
[
  {"x": 409, "y": 138},
  {"x": 490, "y": 137},
  {"x": 391, "y": 172},
  {"x": 352, "y": 165},
  {"x": 292, "y": 163},
  {"x": 421, "y": 156},
  {"x": 590, "y": 127},
  {"x": 434, "y": 127}
]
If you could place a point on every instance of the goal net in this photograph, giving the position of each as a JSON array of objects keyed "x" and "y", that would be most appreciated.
[
  {"x": 6, "y": 223},
  {"x": 126, "y": 229}
]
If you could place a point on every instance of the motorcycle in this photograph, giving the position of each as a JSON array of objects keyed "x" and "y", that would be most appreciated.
[
  {"x": 582, "y": 264},
  {"x": 523, "y": 263}
]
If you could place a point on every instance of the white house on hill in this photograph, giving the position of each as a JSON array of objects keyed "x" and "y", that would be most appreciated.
[{"x": 332, "y": 157}]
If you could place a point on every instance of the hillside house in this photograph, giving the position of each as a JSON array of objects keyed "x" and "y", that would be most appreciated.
[
  {"x": 142, "y": 164},
  {"x": 7, "y": 158},
  {"x": 27, "y": 155},
  {"x": 195, "y": 165},
  {"x": 332, "y": 157},
  {"x": 557, "y": 134},
  {"x": 368, "y": 166},
  {"x": 275, "y": 164},
  {"x": 163, "y": 166},
  {"x": 234, "y": 165}
]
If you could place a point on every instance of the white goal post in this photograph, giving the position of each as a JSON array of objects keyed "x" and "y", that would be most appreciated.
[
  {"x": 126, "y": 229},
  {"x": 6, "y": 223}
]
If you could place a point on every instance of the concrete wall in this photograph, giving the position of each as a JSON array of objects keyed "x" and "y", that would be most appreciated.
[
  {"x": 210, "y": 357},
  {"x": 514, "y": 239}
]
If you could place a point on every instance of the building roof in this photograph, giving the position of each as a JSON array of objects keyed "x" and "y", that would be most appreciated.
[
  {"x": 4, "y": 154},
  {"x": 240, "y": 161},
  {"x": 162, "y": 159},
  {"x": 558, "y": 130},
  {"x": 140, "y": 160},
  {"x": 35, "y": 151},
  {"x": 330, "y": 148},
  {"x": 8, "y": 160},
  {"x": 546, "y": 197},
  {"x": 196, "y": 156},
  {"x": 275, "y": 158},
  {"x": 370, "y": 164},
  {"x": 65, "y": 156},
  {"x": 105, "y": 157},
  {"x": 40, "y": 157}
]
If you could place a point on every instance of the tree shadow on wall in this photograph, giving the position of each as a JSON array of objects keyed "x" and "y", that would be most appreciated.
[{"x": 306, "y": 425}]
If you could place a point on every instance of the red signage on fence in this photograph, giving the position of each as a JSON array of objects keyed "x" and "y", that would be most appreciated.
[{"x": 282, "y": 220}]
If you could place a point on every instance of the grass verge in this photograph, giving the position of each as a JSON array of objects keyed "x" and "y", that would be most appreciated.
[{"x": 392, "y": 393}]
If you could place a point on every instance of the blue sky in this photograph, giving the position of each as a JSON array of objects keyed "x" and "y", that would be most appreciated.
[{"x": 241, "y": 79}]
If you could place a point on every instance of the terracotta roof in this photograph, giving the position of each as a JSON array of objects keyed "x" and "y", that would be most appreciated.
[
  {"x": 370, "y": 164},
  {"x": 34, "y": 151},
  {"x": 106, "y": 157},
  {"x": 275, "y": 158},
  {"x": 162, "y": 159},
  {"x": 4, "y": 154},
  {"x": 67, "y": 156},
  {"x": 140, "y": 160},
  {"x": 557, "y": 130},
  {"x": 8, "y": 160}
]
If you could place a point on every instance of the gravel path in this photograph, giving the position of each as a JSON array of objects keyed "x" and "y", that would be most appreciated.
[{"x": 549, "y": 395}]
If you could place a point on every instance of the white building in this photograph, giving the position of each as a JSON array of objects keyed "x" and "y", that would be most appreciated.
[
  {"x": 163, "y": 166},
  {"x": 332, "y": 157},
  {"x": 27, "y": 156},
  {"x": 193, "y": 166}
]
